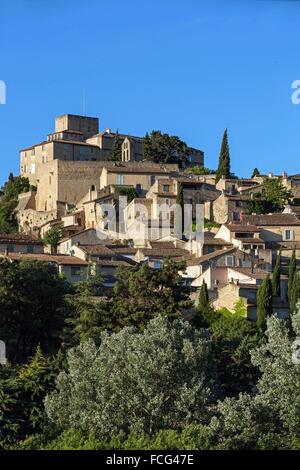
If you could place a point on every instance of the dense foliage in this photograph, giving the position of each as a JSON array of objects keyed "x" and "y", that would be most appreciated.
[
  {"x": 53, "y": 236},
  {"x": 223, "y": 169},
  {"x": 116, "y": 150},
  {"x": 272, "y": 197},
  {"x": 9, "y": 199},
  {"x": 32, "y": 307},
  {"x": 164, "y": 148},
  {"x": 123, "y": 370}
]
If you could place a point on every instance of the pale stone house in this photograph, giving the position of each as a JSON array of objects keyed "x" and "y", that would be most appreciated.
[
  {"x": 73, "y": 268},
  {"x": 20, "y": 243},
  {"x": 276, "y": 227},
  {"x": 230, "y": 208}
]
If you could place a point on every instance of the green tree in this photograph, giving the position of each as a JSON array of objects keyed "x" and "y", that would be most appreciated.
[
  {"x": 90, "y": 313},
  {"x": 32, "y": 307},
  {"x": 15, "y": 186},
  {"x": 164, "y": 148},
  {"x": 255, "y": 172},
  {"x": 147, "y": 149},
  {"x": 139, "y": 382},
  {"x": 276, "y": 277},
  {"x": 292, "y": 272},
  {"x": 272, "y": 198},
  {"x": 116, "y": 150},
  {"x": 269, "y": 418},
  {"x": 22, "y": 392},
  {"x": 264, "y": 303},
  {"x": 142, "y": 293},
  {"x": 53, "y": 236},
  {"x": 294, "y": 293},
  {"x": 205, "y": 313},
  {"x": 179, "y": 223},
  {"x": 199, "y": 170},
  {"x": 233, "y": 337},
  {"x": 9, "y": 200},
  {"x": 224, "y": 159},
  {"x": 203, "y": 297},
  {"x": 8, "y": 222}
]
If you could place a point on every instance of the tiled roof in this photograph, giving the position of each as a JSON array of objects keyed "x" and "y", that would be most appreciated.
[
  {"x": 60, "y": 141},
  {"x": 19, "y": 238},
  {"x": 116, "y": 262},
  {"x": 142, "y": 167},
  {"x": 216, "y": 241},
  {"x": 58, "y": 259},
  {"x": 99, "y": 250},
  {"x": 202, "y": 259},
  {"x": 272, "y": 219},
  {"x": 254, "y": 274},
  {"x": 165, "y": 252},
  {"x": 251, "y": 240},
  {"x": 242, "y": 227}
]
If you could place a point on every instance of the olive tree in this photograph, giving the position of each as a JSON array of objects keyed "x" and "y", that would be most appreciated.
[
  {"x": 136, "y": 382},
  {"x": 270, "y": 417}
]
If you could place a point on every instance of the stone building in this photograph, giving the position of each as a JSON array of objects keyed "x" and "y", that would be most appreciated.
[{"x": 230, "y": 208}]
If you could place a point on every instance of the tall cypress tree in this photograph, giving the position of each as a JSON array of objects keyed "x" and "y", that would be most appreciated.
[
  {"x": 147, "y": 148},
  {"x": 264, "y": 303},
  {"x": 292, "y": 272},
  {"x": 294, "y": 293},
  {"x": 276, "y": 277},
  {"x": 255, "y": 172},
  {"x": 205, "y": 313},
  {"x": 180, "y": 202},
  {"x": 203, "y": 302},
  {"x": 224, "y": 159},
  {"x": 116, "y": 150}
]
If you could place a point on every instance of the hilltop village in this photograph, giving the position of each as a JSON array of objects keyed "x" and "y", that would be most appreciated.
[{"x": 78, "y": 171}]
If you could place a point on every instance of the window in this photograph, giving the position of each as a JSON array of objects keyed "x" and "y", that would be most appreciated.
[
  {"x": 229, "y": 261},
  {"x": 120, "y": 179},
  {"x": 75, "y": 271},
  {"x": 246, "y": 263},
  {"x": 288, "y": 235},
  {"x": 238, "y": 204},
  {"x": 138, "y": 187},
  {"x": 236, "y": 216},
  {"x": 166, "y": 188},
  {"x": 10, "y": 248},
  {"x": 157, "y": 264},
  {"x": 29, "y": 249},
  {"x": 32, "y": 152},
  {"x": 152, "y": 180}
]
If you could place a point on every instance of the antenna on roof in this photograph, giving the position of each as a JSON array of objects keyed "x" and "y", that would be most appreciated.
[{"x": 83, "y": 102}]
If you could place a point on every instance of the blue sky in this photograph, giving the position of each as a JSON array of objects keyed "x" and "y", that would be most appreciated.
[{"x": 188, "y": 67}]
